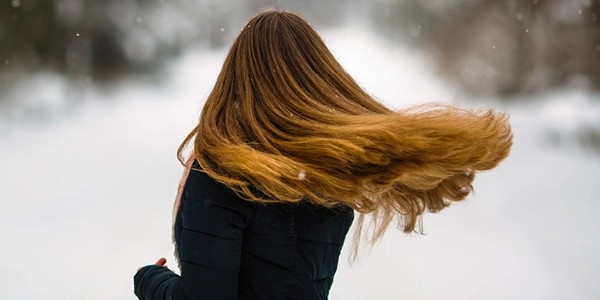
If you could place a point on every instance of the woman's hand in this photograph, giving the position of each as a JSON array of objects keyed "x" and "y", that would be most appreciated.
[
  {"x": 149, "y": 279},
  {"x": 160, "y": 262}
]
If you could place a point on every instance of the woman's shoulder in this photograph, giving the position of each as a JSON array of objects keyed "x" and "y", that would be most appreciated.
[
  {"x": 202, "y": 189},
  {"x": 199, "y": 176},
  {"x": 201, "y": 186}
]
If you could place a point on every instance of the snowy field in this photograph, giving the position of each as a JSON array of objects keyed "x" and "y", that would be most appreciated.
[{"x": 86, "y": 194}]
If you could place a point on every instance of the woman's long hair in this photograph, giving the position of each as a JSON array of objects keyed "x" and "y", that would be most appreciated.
[{"x": 284, "y": 122}]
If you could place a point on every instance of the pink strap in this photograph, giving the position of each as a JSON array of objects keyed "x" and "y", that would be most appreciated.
[{"x": 186, "y": 172}]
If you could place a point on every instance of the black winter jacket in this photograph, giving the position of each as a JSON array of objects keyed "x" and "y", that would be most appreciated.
[{"x": 234, "y": 249}]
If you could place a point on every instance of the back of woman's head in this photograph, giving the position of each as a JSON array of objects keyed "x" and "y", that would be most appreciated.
[
  {"x": 280, "y": 66},
  {"x": 284, "y": 123}
]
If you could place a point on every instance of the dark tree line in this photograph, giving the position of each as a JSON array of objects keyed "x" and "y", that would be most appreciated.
[
  {"x": 101, "y": 40},
  {"x": 502, "y": 47},
  {"x": 488, "y": 47}
]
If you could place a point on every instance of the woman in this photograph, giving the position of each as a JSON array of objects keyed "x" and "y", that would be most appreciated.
[{"x": 287, "y": 148}]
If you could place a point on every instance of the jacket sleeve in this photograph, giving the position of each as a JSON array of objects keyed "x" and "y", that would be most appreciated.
[{"x": 213, "y": 219}]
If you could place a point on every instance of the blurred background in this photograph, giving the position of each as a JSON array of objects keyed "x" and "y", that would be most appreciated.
[{"x": 95, "y": 97}]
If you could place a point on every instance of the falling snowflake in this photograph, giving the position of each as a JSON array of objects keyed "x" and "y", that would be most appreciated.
[
  {"x": 301, "y": 175},
  {"x": 520, "y": 16}
]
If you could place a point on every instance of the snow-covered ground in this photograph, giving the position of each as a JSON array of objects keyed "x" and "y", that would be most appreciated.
[{"x": 86, "y": 194}]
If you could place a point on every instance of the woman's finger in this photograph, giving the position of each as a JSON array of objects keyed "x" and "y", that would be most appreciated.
[{"x": 161, "y": 261}]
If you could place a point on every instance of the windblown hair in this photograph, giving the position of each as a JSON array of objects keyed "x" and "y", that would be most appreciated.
[{"x": 284, "y": 122}]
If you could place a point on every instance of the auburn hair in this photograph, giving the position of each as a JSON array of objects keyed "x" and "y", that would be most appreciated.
[{"x": 285, "y": 123}]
